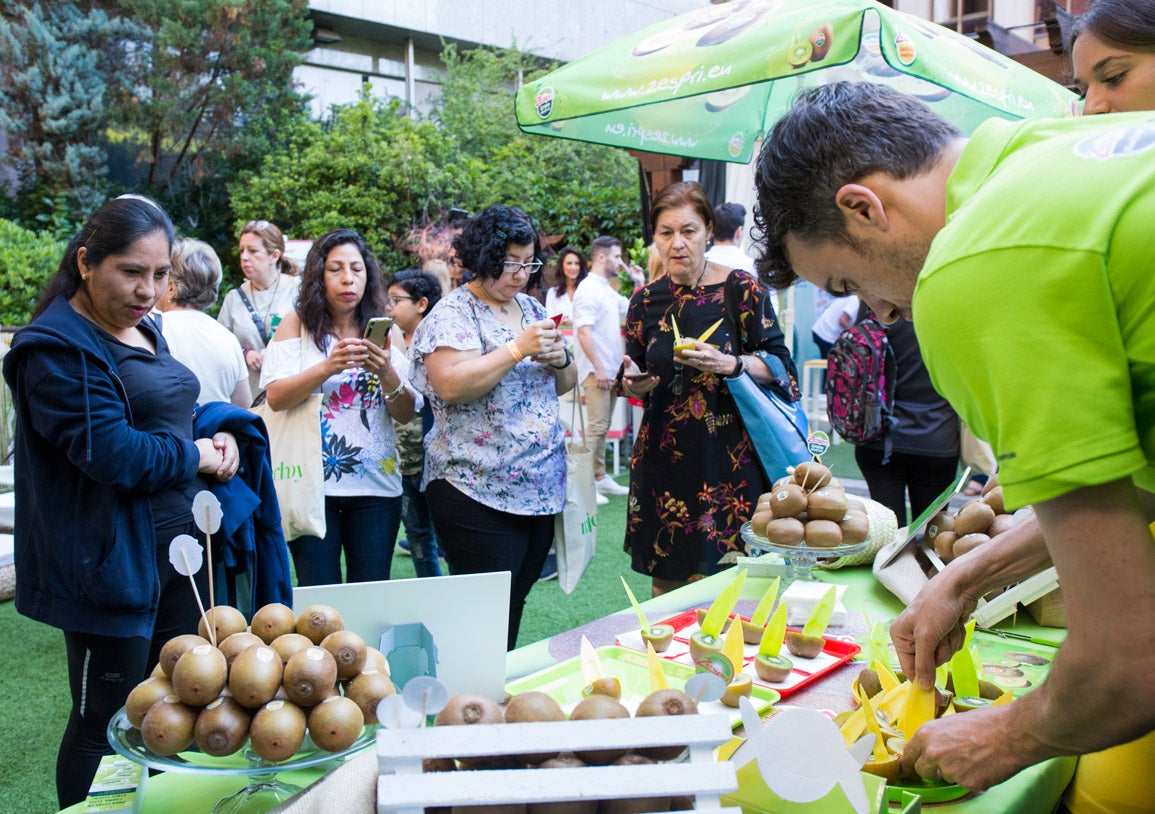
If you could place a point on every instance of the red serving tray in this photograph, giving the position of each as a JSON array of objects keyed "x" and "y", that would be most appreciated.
[{"x": 806, "y": 671}]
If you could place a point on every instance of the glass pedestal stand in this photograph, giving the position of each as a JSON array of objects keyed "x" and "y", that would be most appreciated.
[
  {"x": 800, "y": 559},
  {"x": 262, "y": 791}
]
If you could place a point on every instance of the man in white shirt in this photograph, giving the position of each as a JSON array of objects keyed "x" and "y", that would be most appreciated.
[
  {"x": 729, "y": 224},
  {"x": 598, "y": 312}
]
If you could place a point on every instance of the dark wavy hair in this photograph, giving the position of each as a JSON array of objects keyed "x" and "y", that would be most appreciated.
[
  {"x": 420, "y": 285},
  {"x": 834, "y": 135},
  {"x": 728, "y": 219},
  {"x": 482, "y": 244},
  {"x": 111, "y": 230},
  {"x": 312, "y": 306},
  {"x": 1126, "y": 23},
  {"x": 583, "y": 270}
]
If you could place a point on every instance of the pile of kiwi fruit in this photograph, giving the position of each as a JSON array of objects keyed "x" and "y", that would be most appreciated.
[
  {"x": 809, "y": 505},
  {"x": 975, "y": 523},
  {"x": 269, "y": 683},
  {"x": 533, "y": 705}
]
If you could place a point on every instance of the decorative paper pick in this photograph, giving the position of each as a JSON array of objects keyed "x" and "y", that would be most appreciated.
[
  {"x": 637, "y": 608},
  {"x": 426, "y": 695},
  {"x": 207, "y": 513},
  {"x": 394, "y": 713},
  {"x": 774, "y": 633},
  {"x": 722, "y": 607},
  {"x": 705, "y": 687},
  {"x": 820, "y": 616},
  {"x": 762, "y": 612},
  {"x": 657, "y": 674},
  {"x": 184, "y": 552}
]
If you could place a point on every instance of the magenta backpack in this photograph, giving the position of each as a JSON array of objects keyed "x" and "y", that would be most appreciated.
[{"x": 860, "y": 378}]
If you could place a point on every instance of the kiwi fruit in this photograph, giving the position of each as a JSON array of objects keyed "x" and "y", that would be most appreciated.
[
  {"x": 994, "y": 499},
  {"x": 530, "y": 707},
  {"x": 367, "y": 690},
  {"x": 564, "y": 761},
  {"x": 751, "y": 633},
  {"x": 944, "y": 545},
  {"x": 289, "y": 645},
  {"x": 176, "y": 647},
  {"x": 701, "y": 644},
  {"x": 318, "y": 621},
  {"x": 659, "y": 636},
  {"x": 348, "y": 650},
  {"x": 375, "y": 660},
  {"x": 335, "y": 723},
  {"x": 273, "y": 620},
  {"x": 700, "y": 613},
  {"x": 1001, "y": 524},
  {"x": 855, "y": 527},
  {"x": 233, "y": 645},
  {"x": 788, "y": 501},
  {"x": 599, "y": 707},
  {"x": 940, "y": 522},
  {"x": 778, "y": 484},
  {"x": 785, "y": 531},
  {"x": 310, "y": 676},
  {"x": 803, "y": 646},
  {"x": 633, "y": 805},
  {"x": 869, "y": 682},
  {"x": 991, "y": 483},
  {"x": 826, "y": 504},
  {"x": 968, "y": 542},
  {"x": 222, "y": 727},
  {"x": 741, "y": 685},
  {"x": 200, "y": 675},
  {"x": 665, "y": 702},
  {"x": 608, "y": 685},
  {"x": 823, "y": 534},
  {"x": 277, "y": 730},
  {"x": 225, "y": 621},
  {"x": 143, "y": 696},
  {"x": 167, "y": 727},
  {"x": 467, "y": 709},
  {"x": 974, "y": 516},
  {"x": 811, "y": 475},
  {"x": 762, "y": 517},
  {"x": 889, "y": 768},
  {"x": 255, "y": 676},
  {"x": 773, "y": 668},
  {"x": 820, "y": 39}
]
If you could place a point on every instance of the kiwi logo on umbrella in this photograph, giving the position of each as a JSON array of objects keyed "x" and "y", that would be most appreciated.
[{"x": 543, "y": 101}]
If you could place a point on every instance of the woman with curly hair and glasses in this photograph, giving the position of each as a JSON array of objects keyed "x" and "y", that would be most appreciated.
[
  {"x": 319, "y": 348},
  {"x": 492, "y": 364},
  {"x": 253, "y": 309}
]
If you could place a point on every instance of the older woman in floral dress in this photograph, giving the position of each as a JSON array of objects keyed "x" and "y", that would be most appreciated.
[{"x": 492, "y": 364}]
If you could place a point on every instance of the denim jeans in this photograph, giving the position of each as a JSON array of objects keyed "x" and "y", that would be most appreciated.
[
  {"x": 419, "y": 527},
  {"x": 478, "y": 539},
  {"x": 365, "y": 527}
]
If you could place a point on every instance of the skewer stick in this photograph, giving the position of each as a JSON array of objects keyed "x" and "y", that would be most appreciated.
[
  {"x": 209, "y": 555},
  {"x": 197, "y": 594}
]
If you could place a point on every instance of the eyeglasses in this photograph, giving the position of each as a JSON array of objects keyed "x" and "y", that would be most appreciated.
[
  {"x": 513, "y": 267},
  {"x": 396, "y": 299}
]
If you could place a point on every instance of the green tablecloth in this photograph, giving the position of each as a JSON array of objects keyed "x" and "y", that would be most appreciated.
[{"x": 1033, "y": 791}]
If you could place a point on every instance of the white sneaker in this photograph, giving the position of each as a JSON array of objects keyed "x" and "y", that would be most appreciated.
[
  {"x": 609, "y": 486},
  {"x": 601, "y": 499}
]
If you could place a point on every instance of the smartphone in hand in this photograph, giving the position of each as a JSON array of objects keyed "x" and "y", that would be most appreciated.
[{"x": 377, "y": 331}]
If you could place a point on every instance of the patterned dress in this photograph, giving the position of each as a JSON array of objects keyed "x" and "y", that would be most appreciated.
[{"x": 694, "y": 475}]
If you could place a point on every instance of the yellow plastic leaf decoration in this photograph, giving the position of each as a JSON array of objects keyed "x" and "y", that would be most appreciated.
[
  {"x": 1003, "y": 699},
  {"x": 886, "y": 677},
  {"x": 774, "y": 633},
  {"x": 918, "y": 710},
  {"x": 854, "y": 727},
  {"x": 592, "y": 668},
  {"x": 637, "y": 608},
  {"x": 765, "y": 603},
  {"x": 657, "y": 675},
  {"x": 709, "y": 331},
  {"x": 677, "y": 333},
  {"x": 872, "y": 726},
  {"x": 876, "y": 643},
  {"x": 962, "y": 667},
  {"x": 820, "y": 616},
  {"x": 723, "y": 606},
  {"x": 732, "y": 645}
]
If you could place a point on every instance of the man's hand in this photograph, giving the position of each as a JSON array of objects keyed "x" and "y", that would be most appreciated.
[{"x": 970, "y": 749}]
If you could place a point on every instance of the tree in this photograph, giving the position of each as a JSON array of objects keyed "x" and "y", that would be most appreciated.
[{"x": 57, "y": 63}]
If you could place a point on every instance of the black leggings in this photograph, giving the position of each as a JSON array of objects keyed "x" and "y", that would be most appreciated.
[
  {"x": 477, "y": 539},
  {"x": 923, "y": 476},
  {"x": 102, "y": 670}
]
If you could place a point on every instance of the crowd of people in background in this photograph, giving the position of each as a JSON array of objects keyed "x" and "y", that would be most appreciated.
[{"x": 130, "y": 398}]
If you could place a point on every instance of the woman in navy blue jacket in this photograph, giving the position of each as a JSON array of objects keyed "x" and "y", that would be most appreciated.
[{"x": 106, "y": 467}]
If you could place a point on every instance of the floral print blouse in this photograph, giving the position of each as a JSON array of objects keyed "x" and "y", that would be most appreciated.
[
  {"x": 505, "y": 449},
  {"x": 358, "y": 442}
]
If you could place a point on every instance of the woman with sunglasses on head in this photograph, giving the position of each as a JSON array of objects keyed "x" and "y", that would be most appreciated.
[
  {"x": 319, "y": 347},
  {"x": 253, "y": 309},
  {"x": 492, "y": 364}
]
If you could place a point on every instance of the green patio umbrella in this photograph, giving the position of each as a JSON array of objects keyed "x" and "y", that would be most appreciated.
[{"x": 710, "y": 83}]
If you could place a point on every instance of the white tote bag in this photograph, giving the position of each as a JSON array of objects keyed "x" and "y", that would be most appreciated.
[
  {"x": 295, "y": 454},
  {"x": 575, "y": 530}
]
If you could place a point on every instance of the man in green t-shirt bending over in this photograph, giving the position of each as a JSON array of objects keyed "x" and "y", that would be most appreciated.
[{"x": 1025, "y": 258}]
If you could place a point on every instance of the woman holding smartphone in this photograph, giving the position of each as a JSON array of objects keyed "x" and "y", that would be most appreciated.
[{"x": 322, "y": 347}]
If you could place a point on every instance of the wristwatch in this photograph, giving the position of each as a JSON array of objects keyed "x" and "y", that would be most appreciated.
[
  {"x": 568, "y": 361},
  {"x": 739, "y": 368}
]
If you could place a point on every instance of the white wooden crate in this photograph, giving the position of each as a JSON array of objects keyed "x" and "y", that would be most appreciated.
[{"x": 403, "y": 788}]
